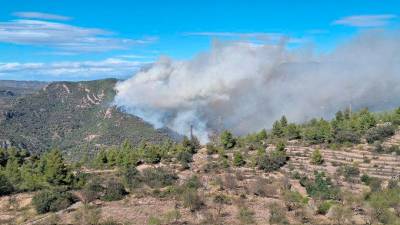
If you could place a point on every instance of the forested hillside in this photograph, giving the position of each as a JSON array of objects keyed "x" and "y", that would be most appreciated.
[{"x": 74, "y": 116}]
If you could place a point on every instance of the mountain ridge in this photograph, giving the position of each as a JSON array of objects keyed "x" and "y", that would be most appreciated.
[{"x": 72, "y": 116}]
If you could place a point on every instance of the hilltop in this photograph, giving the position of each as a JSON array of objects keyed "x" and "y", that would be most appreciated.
[{"x": 71, "y": 116}]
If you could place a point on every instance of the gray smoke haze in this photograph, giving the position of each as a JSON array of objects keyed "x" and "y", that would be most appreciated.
[{"x": 244, "y": 87}]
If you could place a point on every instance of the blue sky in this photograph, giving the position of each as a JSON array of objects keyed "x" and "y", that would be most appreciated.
[{"x": 81, "y": 40}]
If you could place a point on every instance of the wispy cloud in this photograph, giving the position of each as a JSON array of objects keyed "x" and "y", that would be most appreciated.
[
  {"x": 41, "y": 16},
  {"x": 260, "y": 36},
  {"x": 233, "y": 34},
  {"x": 133, "y": 56},
  {"x": 366, "y": 20},
  {"x": 71, "y": 70},
  {"x": 64, "y": 37}
]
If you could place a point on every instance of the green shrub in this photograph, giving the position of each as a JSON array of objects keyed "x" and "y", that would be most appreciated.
[
  {"x": 227, "y": 139},
  {"x": 92, "y": 191},
  {"x": 238, "y": 159},
  {"x": 381, "y": 202},
  {"x": 152, "y": 155},
  {"x": 350, "y": 172},
  {"x": 379, "y": 133},
  {"x": 365, "y": 179},
  {"x": 114, "y": 191},
  {"x": 132, "y": 177},
  {"x": 211, "y": 167},
  {"x": 346, "y": 136},
  {"x": 158, "y": 177},
  {"x": 211, "y": 149},
  {"x": 374, "y": 183},
  {"x": 280, "y": 146},
  {"x": 293, "y": 132},
  {"x": 321, "y": 187},
  {"x": 272, "y": 161},
  {"x": 324, "y": 207},
  {"x": 190, "y": 145},
  {"x": 318, "y": 131},
  {"x": 316, "y": 157},
  {"x": 193, "y": 182},
  {"x": 79, "y": 180},
  {"x": 185, "y": 158},
  {"x": 294, "y": 200},
  {"x": 52, "y": 201}
]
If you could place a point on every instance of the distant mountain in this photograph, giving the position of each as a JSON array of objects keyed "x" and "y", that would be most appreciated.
[
  {"x": 71, "y": 116},
  {"x": 11, "y": 90}
]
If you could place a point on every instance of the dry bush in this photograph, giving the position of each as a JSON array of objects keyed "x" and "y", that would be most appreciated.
[
  {"x": 192, "y": 200},
  {"x": 341, "y": 214},
  {"x": 52, "y": 219},
  {"x": 277, "y": 214},
  {"x": 13, "y": 203},
  {"x": 245, "y": 215},
  {"x": 239, "y": 175},
  {"x": 91, "y": 191},
  {"x": 305, "y": 216},
  {"x": 87, "y": 215},
  {"x": 172, "y": 217},
  {"x": 220, "y": 200},
  {"x": 229, "y": 182},
  {"x": 264, "y": 188}
]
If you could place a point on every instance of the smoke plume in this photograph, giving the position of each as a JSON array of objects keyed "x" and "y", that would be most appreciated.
[{"x": 244, "y": 87}]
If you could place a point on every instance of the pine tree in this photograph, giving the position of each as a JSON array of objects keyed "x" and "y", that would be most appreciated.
[
  {"x": 55, "y": 170},
  {"x": 339, "y": 116},
  {"x": 227, "y": 140},
  {"x": 101, "y": 159},
  {"x": 12, "y": 171},
  {"x": 284, "y": 122},
  {"x": 277, "y": 130},
  {"x": 262, "y": 135},
  {"x": 5, "y": 186}
]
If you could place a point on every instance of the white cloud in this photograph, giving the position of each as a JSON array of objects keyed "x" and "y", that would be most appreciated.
[
  {"x": 366, "y": 20},
  {"x": 42, "y": 16},
  {"x": 233, "y": 34},
  {"x": 71, "y": 70},
  {"x": 64, "y": 37},
  {"x": 133, "y": 56},
  {"x": 260, "y": 36}
]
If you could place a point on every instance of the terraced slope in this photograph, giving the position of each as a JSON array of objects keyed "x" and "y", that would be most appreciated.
[{"x": 383, "y": 166}]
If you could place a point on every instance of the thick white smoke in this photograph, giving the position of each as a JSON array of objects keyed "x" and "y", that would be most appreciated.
[{"x": 245, "y": 87}]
